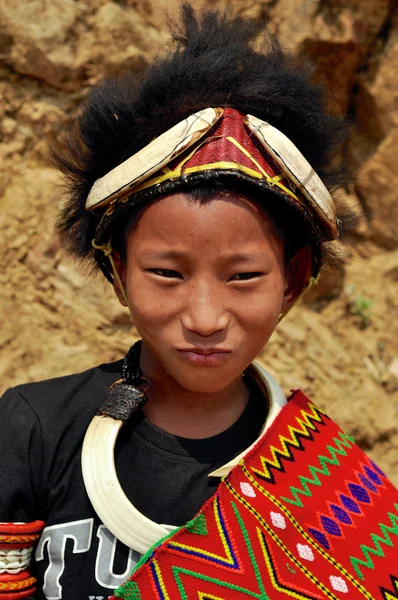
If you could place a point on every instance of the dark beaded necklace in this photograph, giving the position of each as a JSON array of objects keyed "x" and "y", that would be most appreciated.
[
  {"x": 131, "y": 371},
  {"x": 128, "y": 394}
]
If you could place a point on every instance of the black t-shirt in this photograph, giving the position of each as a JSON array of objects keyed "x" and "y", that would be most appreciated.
[{"x": 42, "y": 427}]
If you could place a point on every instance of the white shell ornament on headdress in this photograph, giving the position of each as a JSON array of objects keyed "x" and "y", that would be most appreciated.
[
  {"x": 120, "y": 181},
  {"x": 296, "y": 167}
]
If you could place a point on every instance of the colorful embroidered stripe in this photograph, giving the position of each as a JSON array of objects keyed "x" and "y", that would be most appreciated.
[{"x": 230, "y": 560}]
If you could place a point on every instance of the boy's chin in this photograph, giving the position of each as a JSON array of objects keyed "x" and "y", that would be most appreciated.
[{"x": 206, "y": 383}]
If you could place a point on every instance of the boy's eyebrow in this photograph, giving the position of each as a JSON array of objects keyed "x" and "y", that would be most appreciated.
[
  {"x": 245, "y": 257},
  {"x": 161, "y": 254},
  {"x": 238, "y": 257}
]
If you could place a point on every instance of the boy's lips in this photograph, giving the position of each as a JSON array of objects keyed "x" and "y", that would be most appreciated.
[
  {"x": 209, "y": 357},
  {"x": 203, "y": 350}
]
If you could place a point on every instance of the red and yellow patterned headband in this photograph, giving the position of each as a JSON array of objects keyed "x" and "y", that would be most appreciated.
[{"x": 225, "y": 141}]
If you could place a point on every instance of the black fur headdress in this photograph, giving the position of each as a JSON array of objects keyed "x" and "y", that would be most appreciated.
[{"x": 212, "y": 63}]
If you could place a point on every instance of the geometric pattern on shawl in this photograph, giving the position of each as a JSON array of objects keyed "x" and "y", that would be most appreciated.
[{"x": 305, "y": 515}]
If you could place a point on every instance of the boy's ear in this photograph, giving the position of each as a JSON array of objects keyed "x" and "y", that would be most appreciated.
[
  {"x": 120, "y": 268},
  {"x": 297, "y": 276}
]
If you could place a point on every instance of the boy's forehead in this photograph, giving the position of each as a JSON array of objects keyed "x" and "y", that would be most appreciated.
[
  {"x": 226, "y": 210},
  {"x": 229, "y": 224}
]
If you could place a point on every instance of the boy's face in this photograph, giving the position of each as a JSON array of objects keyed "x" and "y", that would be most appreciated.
[{"x": 206, "y": 285}]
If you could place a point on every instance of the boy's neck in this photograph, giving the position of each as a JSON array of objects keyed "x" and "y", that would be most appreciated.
[{"x": 196, "y": 416}]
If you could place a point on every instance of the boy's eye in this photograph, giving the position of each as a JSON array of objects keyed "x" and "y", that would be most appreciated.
[
  {"x": 245, "y": 276},
  {"x": 167, "y": 273}
]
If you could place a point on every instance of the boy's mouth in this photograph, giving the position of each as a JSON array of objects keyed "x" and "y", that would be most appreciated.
[{"x": 209, "y": 357}]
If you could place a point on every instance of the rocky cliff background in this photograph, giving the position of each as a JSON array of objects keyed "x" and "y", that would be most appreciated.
[{"x": 340, "y": 344}]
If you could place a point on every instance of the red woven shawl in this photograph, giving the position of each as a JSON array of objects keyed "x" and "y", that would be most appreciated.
[{"x": 305, "y": 515}]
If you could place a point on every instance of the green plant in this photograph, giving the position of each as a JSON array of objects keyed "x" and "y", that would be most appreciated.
[{"x": 359, "y": 306}]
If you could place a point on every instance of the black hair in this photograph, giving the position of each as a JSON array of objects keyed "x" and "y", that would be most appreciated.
[{"x": 213, "y": 62}]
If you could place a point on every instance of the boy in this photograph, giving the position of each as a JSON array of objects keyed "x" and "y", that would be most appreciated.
[{"x": 193, "y": 192}]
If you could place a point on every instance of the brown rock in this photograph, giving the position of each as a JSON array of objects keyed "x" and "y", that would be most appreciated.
[
  {"x": 125, "y": 27},
  {"x": 38, "y": 30},
  {"x": 356, "y": 20},
  {"x": 377, "y": 185},
  {"x": 128, "y": 34},
  {"x": 42, "y": 20},
  {"x": 30, "y": 57},
  {"x": 285, "y": 16},
  {"x": 341, "y": 33},
  {"x": 377, "y": 99},
  {"x": 334, "y": 35},
  {"x": 335, "y": 64},
  {"x": 48, "y": 41}
]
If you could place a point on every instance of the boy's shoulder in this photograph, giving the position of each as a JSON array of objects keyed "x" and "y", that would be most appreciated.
[{"x": 69, "y": 395}]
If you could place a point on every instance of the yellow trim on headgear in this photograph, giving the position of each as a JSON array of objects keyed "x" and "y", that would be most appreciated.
[
  {"x": 311, "y": 282},
  {"x": 108, "y": 252}
]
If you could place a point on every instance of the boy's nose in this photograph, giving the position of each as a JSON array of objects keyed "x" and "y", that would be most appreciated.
[{"x": 205, "y": 313}]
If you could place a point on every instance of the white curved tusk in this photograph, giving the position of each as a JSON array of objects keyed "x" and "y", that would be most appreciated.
[
  {"x": 161, "y": 151},
  {"x": 106, "y": 495},
  {"x": 296, "y": 168}
]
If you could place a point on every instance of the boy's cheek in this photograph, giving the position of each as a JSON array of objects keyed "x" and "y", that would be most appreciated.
[{"x": 153, "y": 312}]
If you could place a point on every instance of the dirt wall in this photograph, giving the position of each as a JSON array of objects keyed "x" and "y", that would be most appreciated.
[{"x": 340, "y": 345}]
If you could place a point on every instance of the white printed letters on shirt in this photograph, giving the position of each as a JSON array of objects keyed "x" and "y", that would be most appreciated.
[{"x": 53, "y": 544}]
